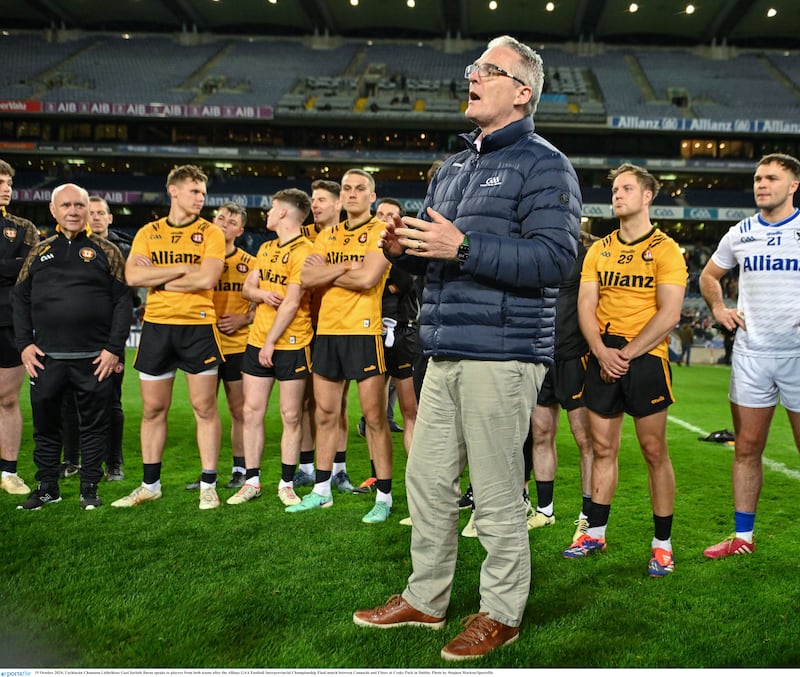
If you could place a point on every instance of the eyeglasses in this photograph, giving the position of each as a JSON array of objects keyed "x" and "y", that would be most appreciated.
[{"x": 489, "y": 70}]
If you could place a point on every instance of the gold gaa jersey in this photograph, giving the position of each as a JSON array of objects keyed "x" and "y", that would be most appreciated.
[
  {"x": 228, "y": 298},
  {"x": 166, "y": 244},
  {"x": 311, "y": 230},
  {"x": 345, "y": 312},
  {"x": 17, "y": 237},
  {"x": 628, "y": 273},
  {"x": 279, "y": 265}
]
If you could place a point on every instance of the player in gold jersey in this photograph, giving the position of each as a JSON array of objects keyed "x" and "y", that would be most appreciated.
[
  {"x": 278, "y": 345},
  {"x": 326, "y": 207},
  {"x": 180, "y": 259},
  {"x": 350, "y": 266},
  {"x": 234, "y": 315},
  {"x": 630, "y": 297},
  {"x": 19, "y": 236}
]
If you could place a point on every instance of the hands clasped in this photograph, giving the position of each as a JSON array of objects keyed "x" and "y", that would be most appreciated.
[{"x": 434, "y": 239}]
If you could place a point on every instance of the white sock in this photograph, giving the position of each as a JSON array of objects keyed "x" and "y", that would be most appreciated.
[
  {"x": 597, "y": 532},
  {"x": 547, "y": 510},
  {"x": 745, "y": 536},
  {"x": 323, "y": 488},
  {"x": 666, "y": 545},
  {"x": 386, "y": 498},
  {"x": 282, "y": 484},
  {"x": 154, "y": 487},
  {"x": 206, "y": 485},
  {"x": 338, "y": 467},
  {"x": 307, "y": 468},
  {"x": 255, "y": 481}
]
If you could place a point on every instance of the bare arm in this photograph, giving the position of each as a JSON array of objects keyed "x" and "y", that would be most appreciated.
[
  {"x": 317, "y": 272},
  {"x": 669, "y": 298},
  {"x": 613, "y": 364},
  {"x": 253, "y": 292},
  {"x": 283, "y": 318},
  {"x": 200, "y": 278},
  {"x": 711, "y": 289},
  {"x": 140, "y": 272},
  {"x": 365, "y": 276}
]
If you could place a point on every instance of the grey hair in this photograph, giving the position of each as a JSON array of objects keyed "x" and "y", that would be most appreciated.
[
  {"x": 530, "y": 70},
  {"x": 58, "y": 189}
]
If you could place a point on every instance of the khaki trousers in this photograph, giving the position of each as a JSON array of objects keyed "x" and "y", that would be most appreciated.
[{"x": 478, "y": 414}]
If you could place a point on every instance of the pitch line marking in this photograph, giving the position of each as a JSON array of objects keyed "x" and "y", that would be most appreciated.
[{"x": 777, "y": 466}]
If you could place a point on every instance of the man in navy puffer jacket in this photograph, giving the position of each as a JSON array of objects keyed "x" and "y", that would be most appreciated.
[{"x": 496, "y": 236}]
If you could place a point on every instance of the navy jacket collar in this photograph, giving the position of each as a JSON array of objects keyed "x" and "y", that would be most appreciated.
[{"x": 502, "y": 137}]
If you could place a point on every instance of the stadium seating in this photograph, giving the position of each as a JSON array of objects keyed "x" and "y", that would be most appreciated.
[{"x": 388, "y": 78}]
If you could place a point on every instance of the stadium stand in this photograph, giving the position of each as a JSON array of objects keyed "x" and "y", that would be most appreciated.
[
  {"x": 270, "y": 68},
  {"x": 390, "y": 78},
  {"x": 30, "y": 63},
  {"x": 718, "y": 89},
  {"x": 95, "y": 73}
]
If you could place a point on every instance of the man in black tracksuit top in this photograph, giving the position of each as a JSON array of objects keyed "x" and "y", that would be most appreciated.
[{"x": 72, "y": 311}]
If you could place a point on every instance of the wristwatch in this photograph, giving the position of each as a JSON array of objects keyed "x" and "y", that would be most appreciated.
[{"x": 463, "y": 251}]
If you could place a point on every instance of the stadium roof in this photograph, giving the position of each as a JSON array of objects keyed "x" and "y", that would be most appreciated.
[{"x": 664, "y": 22}]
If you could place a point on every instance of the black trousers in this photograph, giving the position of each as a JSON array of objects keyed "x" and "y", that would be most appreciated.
[
  {"x": 71, "y": 437},
  {"x": 92, "y": 397}
]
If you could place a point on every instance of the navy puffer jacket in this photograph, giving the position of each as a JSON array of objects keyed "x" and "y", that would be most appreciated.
[{"x": 518, "y": 200}]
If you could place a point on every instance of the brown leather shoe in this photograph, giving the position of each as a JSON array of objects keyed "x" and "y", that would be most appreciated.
[
  {"x": 394, "y": 614},
  {"x": 481, "y": 634}
]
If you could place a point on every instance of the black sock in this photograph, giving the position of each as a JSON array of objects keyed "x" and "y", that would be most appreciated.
[
  {"x": 663, "y": 527},
  {"x": 208, "y": 476},
  {"x": 287, "y": 471},
  {"x": 238, "y": 462},
  {"x": 251, "y": 472},
  {"x": 8, "y": 466},
  {"x": 586, "y": 505},
  {"x": 384, "y": 485},
  {"x": 598, "y": 515},
  {"x": 341, "y": 457},
  {"x": 307, "y": 457},
  {"x": 323, "y": 475},
  {"x": 544, "y": 493},
  {"x": 152, "y": 472}
]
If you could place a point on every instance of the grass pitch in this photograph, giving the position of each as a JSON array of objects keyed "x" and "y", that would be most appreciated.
[{"x": 165, "y": 585}]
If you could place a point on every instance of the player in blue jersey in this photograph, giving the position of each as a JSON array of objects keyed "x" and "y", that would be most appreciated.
[{"x": 765, "y": 364}]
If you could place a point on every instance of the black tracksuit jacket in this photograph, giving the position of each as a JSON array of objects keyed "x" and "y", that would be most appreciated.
[{"x": 71, "y": 297}]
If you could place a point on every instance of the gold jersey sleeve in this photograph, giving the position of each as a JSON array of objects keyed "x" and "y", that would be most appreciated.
[
  {"x": 344, "y": 312},
  {"x": 279, "y": 265},
  {"x": 165, "y": 245},
  {"x": 228, "y": 298},
  {"x": 310, "y": 231},
  {"x": 627, "y": 275}
]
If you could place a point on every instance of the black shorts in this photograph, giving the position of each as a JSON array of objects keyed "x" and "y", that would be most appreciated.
[
  {"x": 563, "y": 384},
  {"x": 349, "y": 358},
  {"x": 9, "y": 355},
  {"x": 287, "y": 365},
  {"x": 402, "y": 356},
  {"x": 646, "y": 389},
  {"x": 193, "y": 348},
  {"x": 231, "y": 369}
]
